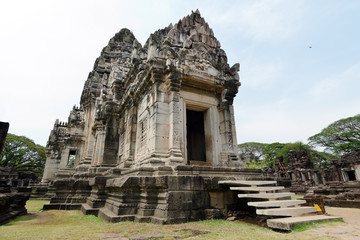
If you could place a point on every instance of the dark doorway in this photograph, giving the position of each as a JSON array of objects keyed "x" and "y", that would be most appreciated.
[
  {"x": 71, "y": 158},
  {"x": 195, "y": 136},
  {"x": 351, "y": 175}
]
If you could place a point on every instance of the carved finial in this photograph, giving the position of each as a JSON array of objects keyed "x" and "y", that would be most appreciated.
[
  {"x": 234, "y": 69},
  {"x": 197, "y": 12}
]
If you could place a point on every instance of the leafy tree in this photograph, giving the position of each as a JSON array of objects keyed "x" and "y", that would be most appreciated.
[
  {"x": 297, "y": 146},
  {"x": 252, "y": 154},
  {"x": 271, "y": 151},
  {"x": 321, "y": 159},
  {"x": 22, "y": 154},
  {"x": 342, "y": 136},
  {"x": 261, "y": 155}
]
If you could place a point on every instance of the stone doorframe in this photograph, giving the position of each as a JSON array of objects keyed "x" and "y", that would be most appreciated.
[{"x": 207, "y": 104}]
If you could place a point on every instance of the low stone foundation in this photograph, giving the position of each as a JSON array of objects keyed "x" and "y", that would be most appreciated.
[
  {"x": 162, "y": 195},
  {"x": 338, "y": 194},
  {"x": 42, "y": 191},
  {"x": 12, "y": 203}
]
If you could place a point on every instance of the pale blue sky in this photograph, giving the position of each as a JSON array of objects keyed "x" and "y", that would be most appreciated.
[{"x": 289, "y": 91}]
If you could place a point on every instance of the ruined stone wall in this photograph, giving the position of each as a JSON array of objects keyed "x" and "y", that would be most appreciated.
[
  {"x": 4, "y": 127},
  {"x": 14, "y": 192}
]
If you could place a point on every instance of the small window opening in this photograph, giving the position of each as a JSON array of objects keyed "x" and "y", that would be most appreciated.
[
  {"x": 143, "y": 132},
  {"x": 306, "y": 177},
  {"x": 71, "y": 159},
  {"x": 351, "y": 175}
]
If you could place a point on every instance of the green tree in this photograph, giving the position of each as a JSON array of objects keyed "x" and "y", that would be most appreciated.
[
  {"x": 271, "y": 151},
  {"x": 297, "y": 146},
  {"x": 261, "y": 155},
  {"x": 22, "y": 154},
  {"x": 342, "y": 136},
  {"x": 252, "y": 153}
]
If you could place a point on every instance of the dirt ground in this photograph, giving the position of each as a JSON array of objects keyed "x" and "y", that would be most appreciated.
[{"x": 350, "y": 230}]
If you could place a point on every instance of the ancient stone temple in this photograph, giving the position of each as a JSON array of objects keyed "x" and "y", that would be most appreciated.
[{"x": 154, "y": 132}]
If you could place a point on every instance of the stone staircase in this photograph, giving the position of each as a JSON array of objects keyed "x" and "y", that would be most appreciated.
[{"x": 268, "y": 201}]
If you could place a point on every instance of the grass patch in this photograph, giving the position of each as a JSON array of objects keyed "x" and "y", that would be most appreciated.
[
  {"x": 35, "y": 205},
  {"x": 295, "y": 197},
  {"x": 57, "y": 224},
  {"x": 306, "y": 226},
  {"x": 18, "y": 219}
]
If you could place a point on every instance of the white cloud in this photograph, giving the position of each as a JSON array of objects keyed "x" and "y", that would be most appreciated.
[
  {"x": 338, "y": 85},
  {"x": 254, "y": 74},
  {"x": 264, "y": 20},
  {"x": 269, "y": 122},
  {"x": 302, "y": 114}
]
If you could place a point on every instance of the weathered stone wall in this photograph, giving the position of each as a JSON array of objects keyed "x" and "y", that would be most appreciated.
[
  {"x": 12, "y": 204},
  {"x": 13, "y": 198}
]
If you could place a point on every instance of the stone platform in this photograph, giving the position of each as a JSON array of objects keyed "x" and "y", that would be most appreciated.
[{"x": 161, "y": 195}]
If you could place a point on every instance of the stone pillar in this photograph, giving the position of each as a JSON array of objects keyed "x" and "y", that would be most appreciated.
[
  {"x": 89, "y": 144},
  {"x": 212, "y": 136},
  {"x": 228, "y": 135},
  {"x": 111, "y": 146},
  {"x": 357, "y": 172},
  {"x": 130, "y": 138},
  {"x": 174, "y": 134},
  {"x": 99, "y": 145}
]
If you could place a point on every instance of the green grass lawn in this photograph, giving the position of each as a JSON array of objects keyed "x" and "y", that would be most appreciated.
[
  {"x": 35, "y": 205},
  {"x": 295, "y": 197},
  {"x": 73, "y": 225}
]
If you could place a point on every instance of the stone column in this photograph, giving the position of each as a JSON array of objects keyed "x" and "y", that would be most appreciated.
[
  {"x": 228, "y": 135},
  {"x": 173, "y": 82},
  {"x": 212, "y": 136},
  {"x": 89, "y": 144},
  {"x": 175, "y": 120},
  {"x": 99, "y": 145},
  {"x": 130, "y": 138}
]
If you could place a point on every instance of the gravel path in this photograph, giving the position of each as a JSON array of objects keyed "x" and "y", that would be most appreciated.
[{"x": 348, "y": 231}]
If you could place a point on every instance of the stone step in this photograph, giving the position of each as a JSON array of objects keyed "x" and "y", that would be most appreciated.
[
  {"x": 108, "y": 216},
  {"x": 266, "y": 195},
  {"x": 288, "y": 223},
  {"x": 291, "y": 212},
  {"x": 279, "y": 203},
  {"x": 257, "y": 189},
  {"x": 246, "y": 183},
  {"x": 88, "y": 210},
  {"x": 62, "y": 206}
]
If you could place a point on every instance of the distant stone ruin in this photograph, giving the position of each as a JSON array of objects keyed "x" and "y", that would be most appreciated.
[
  {"x": 154, "y": 132},
  {"x": 4, "y": 127},
  {"x": 342, "y": 186},
  {"x": 337, "y": 186},
  {"x": 13, "y": 195}
]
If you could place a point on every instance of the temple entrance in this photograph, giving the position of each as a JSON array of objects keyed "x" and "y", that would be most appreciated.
[
  {"x": 351, "y": 175},
  {"x": 195, "y": 136}
]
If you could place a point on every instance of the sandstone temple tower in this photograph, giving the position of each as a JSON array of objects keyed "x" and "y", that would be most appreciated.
[{"x": 162, "y": 110}]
